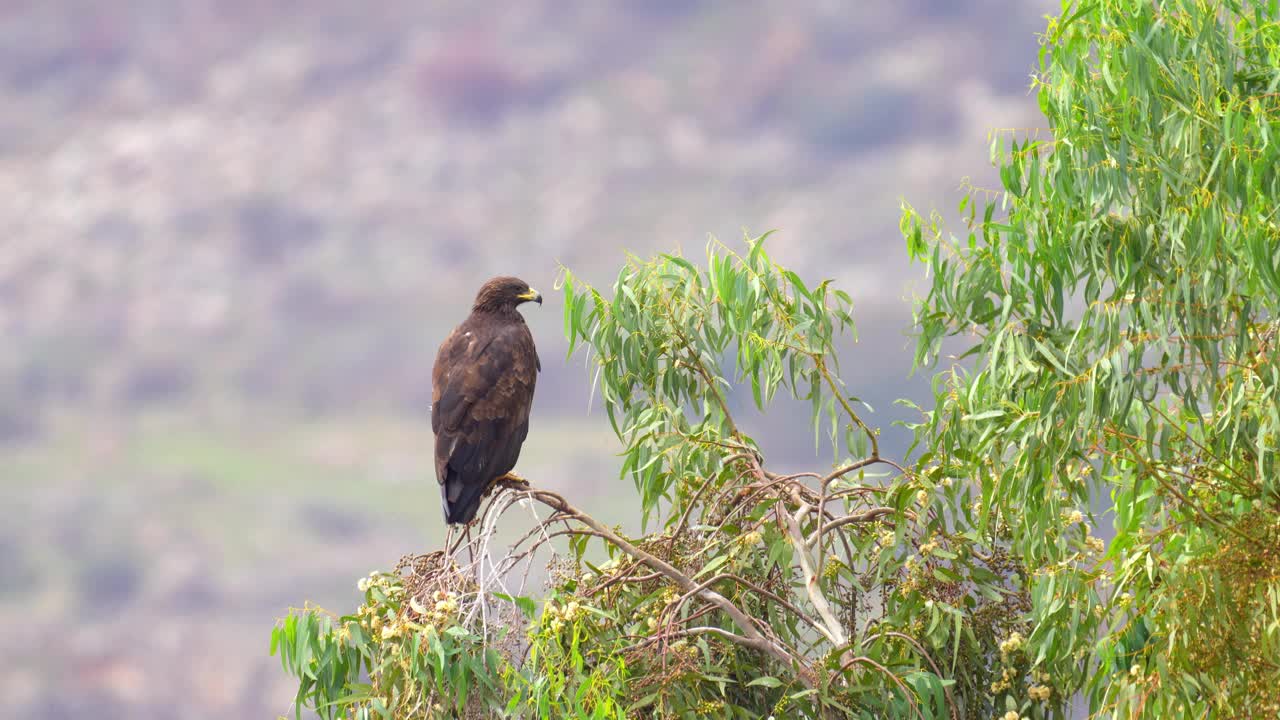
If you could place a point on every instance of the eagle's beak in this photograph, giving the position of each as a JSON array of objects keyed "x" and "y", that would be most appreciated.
[{"x": 532, "y": 295}]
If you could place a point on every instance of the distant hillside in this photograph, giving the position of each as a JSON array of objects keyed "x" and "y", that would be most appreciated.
[
  {"x": 219, "y": 215},
  {"x": 290, "y": 201}
]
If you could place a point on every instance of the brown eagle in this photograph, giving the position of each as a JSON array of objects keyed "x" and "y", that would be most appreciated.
[{"x": 482, "y": 389}]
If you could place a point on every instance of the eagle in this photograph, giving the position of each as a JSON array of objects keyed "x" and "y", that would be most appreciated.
[{"x": 481, "y": 392}]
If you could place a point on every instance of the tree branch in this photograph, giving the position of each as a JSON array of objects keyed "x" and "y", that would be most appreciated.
[
  {"x": 867, "y": 516},
  {"x": 835, "y": 632},
  {"x": 751, "y": 637}
]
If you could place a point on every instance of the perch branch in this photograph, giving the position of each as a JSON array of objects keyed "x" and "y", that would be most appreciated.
[{"x": 751, "y": 636}]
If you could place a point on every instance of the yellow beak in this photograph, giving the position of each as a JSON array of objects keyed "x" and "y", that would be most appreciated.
[{"x": 532, "y": 295}]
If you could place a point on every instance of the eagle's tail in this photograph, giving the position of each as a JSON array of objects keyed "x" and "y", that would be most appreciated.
[{"x": 460, "y": 500}]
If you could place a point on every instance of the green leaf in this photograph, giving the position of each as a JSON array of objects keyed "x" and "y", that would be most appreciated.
[{"x": 526, "y": 605}]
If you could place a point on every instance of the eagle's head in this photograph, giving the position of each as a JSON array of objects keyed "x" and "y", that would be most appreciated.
[{"x": 505, "y": 293}]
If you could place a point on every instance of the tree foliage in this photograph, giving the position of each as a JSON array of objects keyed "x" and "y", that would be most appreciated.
[
  {"x": 1119, "y": 296},
  {"x": 1115, "y": 306}
]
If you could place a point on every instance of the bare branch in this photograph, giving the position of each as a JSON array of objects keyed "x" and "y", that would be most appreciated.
[
  {"x": 675, "y": 606},
  {"x": 837, "y": 474},
  {"x": 868, "y": 516},
  {"x": 835, "y": 632}
]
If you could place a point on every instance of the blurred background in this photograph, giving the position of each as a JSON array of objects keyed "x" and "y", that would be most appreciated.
[{"x": 235, "y": 232}]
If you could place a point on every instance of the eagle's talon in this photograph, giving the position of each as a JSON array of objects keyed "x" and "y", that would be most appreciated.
[{"x": 512, "y": 480}]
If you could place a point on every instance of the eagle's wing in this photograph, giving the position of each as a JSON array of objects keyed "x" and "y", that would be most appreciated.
[{"x": 482, "y": 391}]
